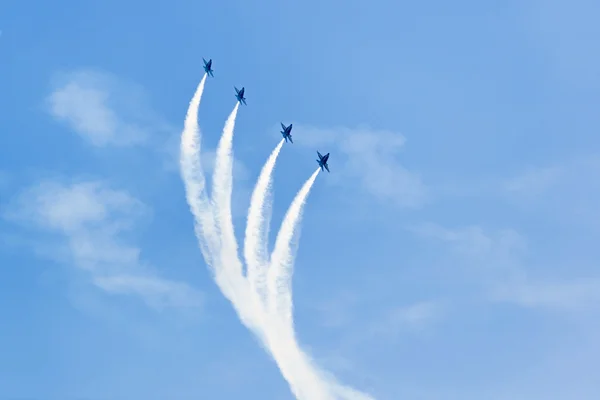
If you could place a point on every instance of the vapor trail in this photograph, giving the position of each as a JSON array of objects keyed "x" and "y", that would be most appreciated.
[
  {"x": 216, "y": 236},
  {"x": 205, "y": 227},
  {"x": 222, "y": 188},
  {"x": 282, "y": 260},
  {"x": 306, "y": 381},
  {"x": 194, "y": 181},
  {"x": 257, "y": 225},
  {"x": 229, "y": 275}
]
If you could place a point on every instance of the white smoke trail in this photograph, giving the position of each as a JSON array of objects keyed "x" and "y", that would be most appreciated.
[
  {"x": 216, "y": 236},
  {"x": 306, "y": 381},
  {"x": 304, "y": 378},
  {"x": 194, "y": 181},
  {"x": 257, "y": 237},
  {"x": 229, "y": 274},
  {"x": 205, "y": 227},
  {"x": 222, "y": 188},
  {"x": 282, "y": 260}
]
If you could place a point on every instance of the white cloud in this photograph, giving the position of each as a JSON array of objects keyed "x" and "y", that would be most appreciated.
[
  {"x": 156, "y": 291},
  {"x": 336, "y": 311},
  {"x": 566, "y": 296},
  {"x": 414, "y": 317},
  {"x": 93, "y": 220},
  {"x": 503, "y": 273},
  {"x": 102, "y": 109},
  {"x": 534, "y": 181},
  {"x": 569, "y": 191},
  {"x": 501, "y": 248},
  {"x": 75, "y": 207},
  {"x": 362, "y": 319},
  {"x": 369, "y": 156}
]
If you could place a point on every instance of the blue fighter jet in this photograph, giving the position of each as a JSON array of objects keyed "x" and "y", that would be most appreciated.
[
  {"x": 286, "y": 132},
  {"x": 239, "y": 95},
  {"x": 323, "y": 161},
  {"x": 207, "y": 67}
]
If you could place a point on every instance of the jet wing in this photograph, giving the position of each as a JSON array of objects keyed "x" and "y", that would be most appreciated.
[
  {"x": 326, "y": 167},
  {"x": 319, "y": 154}
]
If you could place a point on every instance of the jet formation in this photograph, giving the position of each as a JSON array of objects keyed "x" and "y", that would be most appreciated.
[{"x": 287, "y": 130}]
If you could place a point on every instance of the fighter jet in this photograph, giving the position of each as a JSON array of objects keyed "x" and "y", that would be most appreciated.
[
  {"x": 323, "y": 161},
  {"x": 207, "y": 67},
  {"x": 240, "y": 95},
  {"x": 286, "y": 132}
]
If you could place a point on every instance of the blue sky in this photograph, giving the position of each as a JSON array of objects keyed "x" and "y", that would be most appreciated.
[{"x": 450, "y": 254}]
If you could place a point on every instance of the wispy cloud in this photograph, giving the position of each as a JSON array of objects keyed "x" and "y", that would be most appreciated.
[
  {"x": 565, "y": 296},
  {"x": 410, "y": 318},
  {"x": 102, "y": 109},
  {"x": 416, "y": 316},
  {"x": 568, "y": 191},
  {"x": 93, "y": 221},
  {"x": 157, "y": 292},
  {"x": 346, "y": 309},
  {"x": 370, "y": 157},
  {"x": 534, "y": 181},
  {"x": 499, "y": 258},
  {"x": 501, "y": 248}
]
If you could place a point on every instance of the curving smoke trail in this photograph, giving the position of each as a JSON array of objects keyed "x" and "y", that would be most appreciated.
[
  {"x": 282, "y": 260},
  {"x": 207, "y": 225},
  {"x": 223, "y": 186},
  {"x": 230, "y": 275},
  {"x": 306, "y": 380},
  {"x": 257, "y": 225},
  {"x": 193, "y": 178},
  {"x": 215, "y": 233}
]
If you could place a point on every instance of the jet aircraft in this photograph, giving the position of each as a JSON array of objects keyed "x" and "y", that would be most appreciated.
[
  {"x": 207, "y": 67},
  {"x": 323, "y": 161},
  {"x": 240, "y": 95},
  {"x": 286, "y": 132}
]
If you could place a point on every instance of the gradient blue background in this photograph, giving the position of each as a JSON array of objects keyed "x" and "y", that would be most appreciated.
[{"x": 460, "y": 262}]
